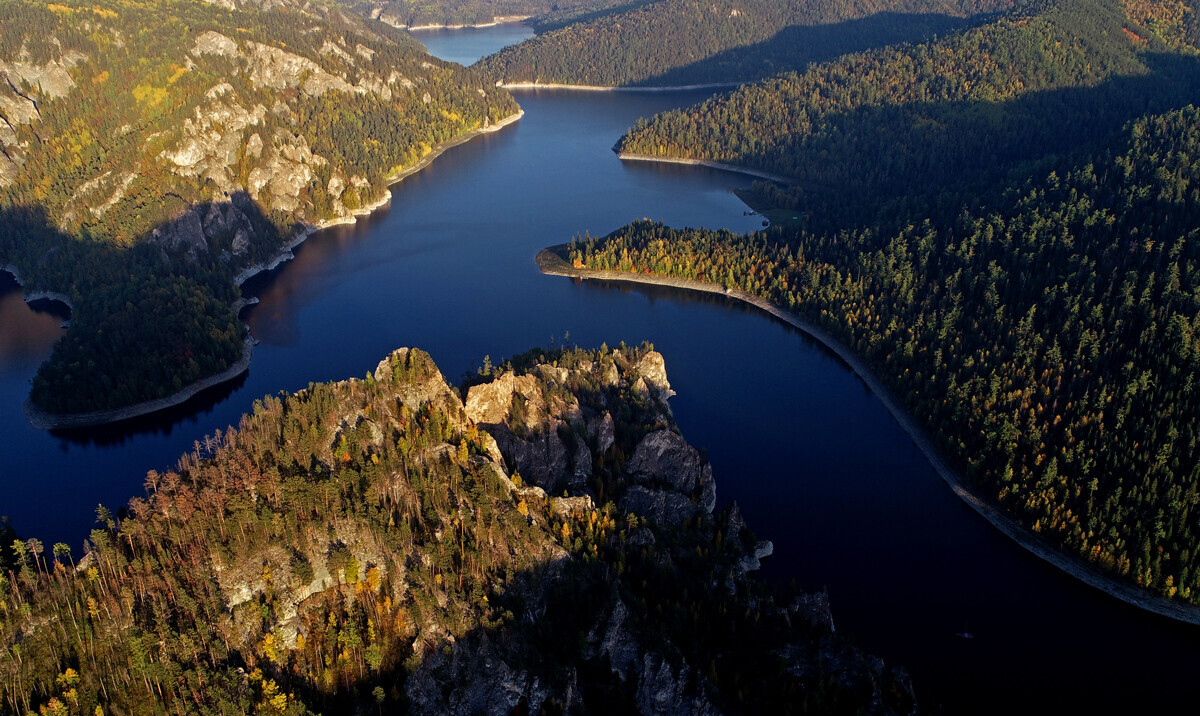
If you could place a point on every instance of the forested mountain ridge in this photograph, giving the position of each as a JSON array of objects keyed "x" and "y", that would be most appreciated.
[
  {"x": 686, "y": 42},
  {"x": 1048, "y": 341},
  {"x": 370, "y": 545},
  {"x": 954, "y": 115},
  {"x": 156, "y": 151},
  {"x": 408, "y": 14}
]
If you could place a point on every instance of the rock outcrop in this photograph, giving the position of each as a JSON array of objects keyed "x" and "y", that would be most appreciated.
[{"x": 665, "y": 458}]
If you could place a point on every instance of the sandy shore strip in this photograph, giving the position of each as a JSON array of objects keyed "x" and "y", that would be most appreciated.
[
  {"x": 603, "y": 88},
  {"x": 777, "y": 178},
  {"x": 497, "y": 20},
  {"x": 551, "y": 263}
]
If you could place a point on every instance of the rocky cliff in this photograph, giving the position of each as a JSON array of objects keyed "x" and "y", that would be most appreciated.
[
  {"x": 373, "y": 543},
  {"x": 152, "y": 152}
]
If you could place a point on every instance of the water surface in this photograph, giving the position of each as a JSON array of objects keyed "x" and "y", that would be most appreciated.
[{"x": 816, "y": 462}]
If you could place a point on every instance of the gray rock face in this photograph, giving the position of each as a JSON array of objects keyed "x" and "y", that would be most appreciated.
[
  {"x": 670, "y": 691},
  {"x": 541, "y": 460},
  {"x": 9, "y": 170},
  {"x": 491, "y": 403},
  {"x": 493, "y": 686},
  {"x": 526, "y": 421},
  {"x": 273, "y": 68},
  {"x": 653, "y": 371},
  {"x": 665, "y": 507},
  {"x": 665, "y": 457},
  {"x": 50, "y": 80},
  {"x": 212, "y": 138},
  {"x": 214, "y": 43},
  {"x": 184, "y": 235},
  {"x": 661, "y": 687},
  {"x": 601, "y": 431},
  {"x": 16, "y": 108},
  {"x": 565, "y": 506}
]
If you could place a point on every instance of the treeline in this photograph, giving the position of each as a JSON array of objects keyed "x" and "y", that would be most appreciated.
[
  {"x": 146, "y": 113},
  {"x": 1050, "y": 343},
  {"x": 684, "y": 42},
  {"x": 414, "y": 13},
  {"x": 913, "y": 130},
  {"x": 356, "y": 546}
]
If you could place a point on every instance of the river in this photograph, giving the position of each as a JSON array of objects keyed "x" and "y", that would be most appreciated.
[{"x": 816, "y": 462}]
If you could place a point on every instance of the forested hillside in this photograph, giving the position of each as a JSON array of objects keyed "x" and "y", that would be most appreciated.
[
  {"x": 685, "y": 42},
  {"x": 416, "y": 13},
  {"x": 1050, "y": 341},
  {"x": 178, "y": 143},
  {"x": 375, "y": 546},
  {"x": 909, "y": 123}
]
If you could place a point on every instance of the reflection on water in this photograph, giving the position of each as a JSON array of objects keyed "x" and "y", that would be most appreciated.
[
  {"x": 297, "y": 283},
  {"x": 27, "y": 333},
  {"x": 184, "y": 416}
]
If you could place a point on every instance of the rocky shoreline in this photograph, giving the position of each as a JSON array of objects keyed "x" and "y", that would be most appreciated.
[
  {"x": 777, "y": 178},
  {"x": 44, "y": 420},
  {"x": 30, "y": 296},
  {"x": 551, "y": 263},
  {"x": 285, "y": 253},
  {"x": 605, "y": 88}
]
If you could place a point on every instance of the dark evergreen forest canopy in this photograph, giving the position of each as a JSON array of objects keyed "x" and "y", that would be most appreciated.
[
  {"x": 152, "y": 152},
  {"x": 686, "y": 42},
  {"x": 914, "y": 129},
  {"x": 988, "y": 221},
  {"x": 415, "y": 13},
  {"x": 369, "y": 546}
]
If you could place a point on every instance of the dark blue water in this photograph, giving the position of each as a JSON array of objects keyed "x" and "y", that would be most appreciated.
[{"x": 816, "y": 462}]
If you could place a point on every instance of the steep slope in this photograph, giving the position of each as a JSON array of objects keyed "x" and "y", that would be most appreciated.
[
  {"x": 369, "y": 545},
  {"x": 685, "y": 42},
  {"x": 1047, "y": 342},
  {"x": 158, "y": 151},
  {"x": 957, "y": 114}
]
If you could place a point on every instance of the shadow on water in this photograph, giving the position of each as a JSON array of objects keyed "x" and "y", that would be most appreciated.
[
  {"x": 305, "y": 279},
  {"x": 654, "y": 293},
  {"x": 161, "y": 422},
  {"x": 27, "y": 329},
  {"x": 146, "y": 320}
]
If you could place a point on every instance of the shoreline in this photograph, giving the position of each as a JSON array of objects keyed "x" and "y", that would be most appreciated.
[
  {"x": 285, "y": 252},
  {"x": 777, "y": 178},
  {"x": 496, "y": 20},
  {"x": 44, "y": 420},
  {"x": 550, "y": 263},
  {"x": 604, "y": 88},
  {"x": 39, "y": 295}
]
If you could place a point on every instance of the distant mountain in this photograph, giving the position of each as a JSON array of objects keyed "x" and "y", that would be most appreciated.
[
  {"x": 686, "y": 42},
  {"x": 153, "y": 152},
  {"x": 548, "y": 545}
]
